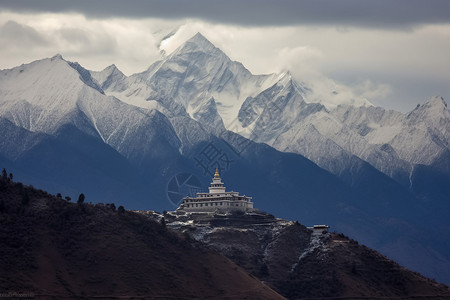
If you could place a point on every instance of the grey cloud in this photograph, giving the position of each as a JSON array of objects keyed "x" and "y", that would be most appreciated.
[
  {"x": 75, "y": 35},
  {"x": 378, "y": 13},
  {"x": 88, "y": 42},
  {"x": 19, "y": 35}
]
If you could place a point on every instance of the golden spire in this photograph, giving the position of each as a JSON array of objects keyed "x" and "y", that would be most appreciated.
[{"x": 216, "y": 175}]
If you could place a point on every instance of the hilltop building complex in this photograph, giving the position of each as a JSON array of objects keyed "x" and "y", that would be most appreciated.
[{"x": 217, "y": 199}]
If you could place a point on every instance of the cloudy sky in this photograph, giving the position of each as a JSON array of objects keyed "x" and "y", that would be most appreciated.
[{"x": 394, "y": 53}]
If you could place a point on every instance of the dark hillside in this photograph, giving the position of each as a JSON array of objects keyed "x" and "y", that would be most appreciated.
[
  {"x": 301, "y": 264},
  {"x": 52, "y": 248},
  {"x": 341, "y": 266}
]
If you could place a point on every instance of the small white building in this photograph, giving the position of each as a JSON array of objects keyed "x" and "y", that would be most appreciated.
[
  {"x": 318, "y": 229},
  {"x": 216, "y": 199}
]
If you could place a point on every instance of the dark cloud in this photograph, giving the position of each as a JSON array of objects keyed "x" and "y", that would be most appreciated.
[{"x": 376, "y": 13}]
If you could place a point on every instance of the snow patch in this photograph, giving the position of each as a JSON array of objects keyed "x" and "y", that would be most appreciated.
[{"x": 316, "y": 242}]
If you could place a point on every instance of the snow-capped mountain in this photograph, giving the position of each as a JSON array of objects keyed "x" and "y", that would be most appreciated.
[
  {"x": 52, "y": 105},
  {"x": 390, "y": 141},
  {"x": 197, "y": 93},
  {"x": 198, "y": 80},
  {"x": 46, "y": 95}
]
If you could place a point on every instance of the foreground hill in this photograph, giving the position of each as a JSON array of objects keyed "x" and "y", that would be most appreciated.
[
  {"x": 51, "y": 248},
  {"x": 300, "y": 263}
]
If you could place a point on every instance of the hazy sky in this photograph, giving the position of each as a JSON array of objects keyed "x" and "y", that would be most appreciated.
[{"x": 394, "y": 53}]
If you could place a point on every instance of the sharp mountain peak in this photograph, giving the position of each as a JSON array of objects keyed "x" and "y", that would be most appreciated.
[
  {"x": 435, "y": 101},
  {"x": 433, "y": 107},
  {"x": 285, "y": 77},
  {"x": 198, "y": 43},
  {"x": 199, "y": 38},
  {"x": 111, "y": 67},
  {"x": 57, "y": 56}
]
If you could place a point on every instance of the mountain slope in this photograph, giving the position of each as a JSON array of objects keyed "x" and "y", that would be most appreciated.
[
  {"x": 52, "y": 248},
  {"x": 300, "y": 263}
]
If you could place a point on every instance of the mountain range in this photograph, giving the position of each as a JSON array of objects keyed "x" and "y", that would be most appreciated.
[{"x": 379, "y": 176}]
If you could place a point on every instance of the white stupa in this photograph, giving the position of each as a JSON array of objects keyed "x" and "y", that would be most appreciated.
[{"x": 217, "y": 199}]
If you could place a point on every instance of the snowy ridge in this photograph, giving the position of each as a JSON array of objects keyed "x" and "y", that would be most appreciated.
[
  {"x": 38, "y": 95},
  {"x": 189, "y": 77},
  {"x": 45, "y": 95},
  {"x": 198, "y": 80}
]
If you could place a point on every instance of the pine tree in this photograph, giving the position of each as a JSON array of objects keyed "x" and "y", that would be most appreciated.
[
  {"x": 4, "y": 175},
  {"x": 81, "y": 198}
]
